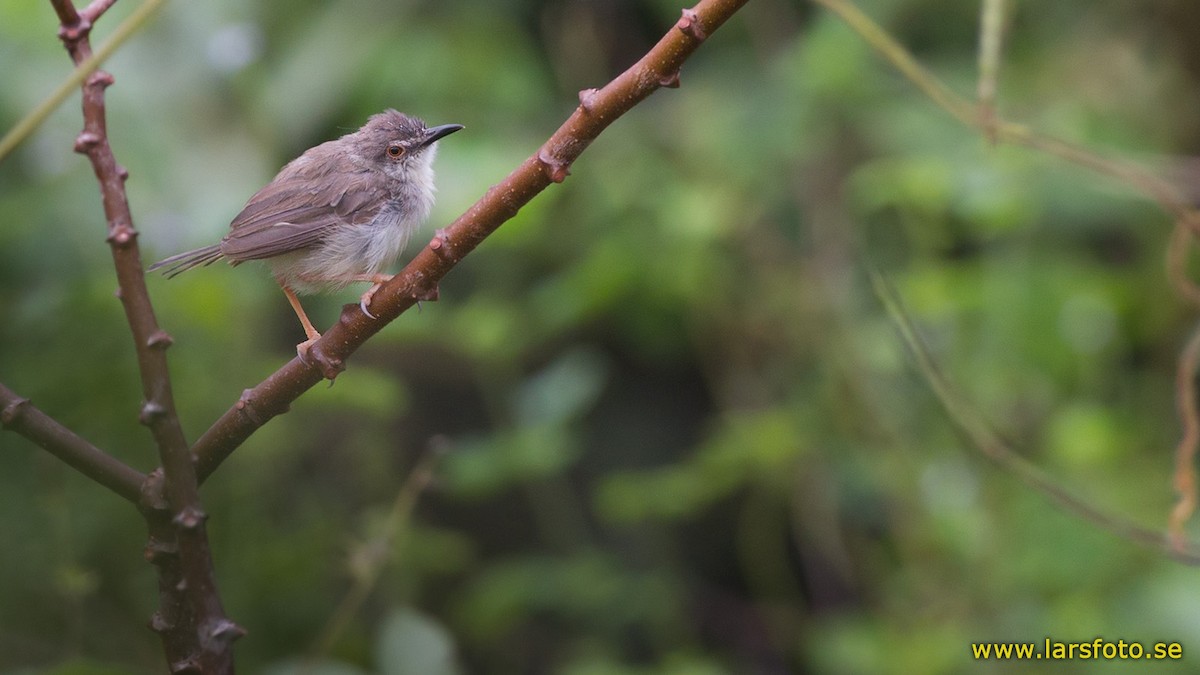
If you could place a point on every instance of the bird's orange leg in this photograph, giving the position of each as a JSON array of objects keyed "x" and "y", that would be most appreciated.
[
  {"x": 309, "y": 330},
  {"x": 376, "y": 280}
]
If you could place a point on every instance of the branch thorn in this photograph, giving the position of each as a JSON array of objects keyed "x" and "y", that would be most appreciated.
[
  {"x": 190, "y": 518},
  {"x": 159, "y": 623},
  {"x": 11, "y": 411},
  {"x": 186, "y": 667},
  {"x": 587, "y": 97},
  {"x": 101, "y": 78},
  {"x": 245, "y": 405},
  {"x": 75, "y": 31},
  {"x": 429, "y": 294},
  {"x": 226, "y": 631},
  {"x": 85, "y": 141},
  {"x": 121, "y": 235},
  {"x": 156, "y": 552},
  {"x": 689, "y": 24},
  {"x": 151, "y": 412},
  {"x": 556, "y": 169},
  {"x": 159, "y": 339},
  {"x": 440, "y": 244},
  {"x": 329, "y": 366}
]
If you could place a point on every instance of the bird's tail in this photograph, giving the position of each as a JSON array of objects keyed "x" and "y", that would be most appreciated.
[{"x": 183, "y": 262}]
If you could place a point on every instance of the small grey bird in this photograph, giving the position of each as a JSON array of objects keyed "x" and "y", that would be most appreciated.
[{"x": 337, "y": 214}]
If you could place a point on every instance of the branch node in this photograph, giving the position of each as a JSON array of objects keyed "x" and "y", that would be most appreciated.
[
  {"x": 440, "y": 244},
  {"x": 350, "y": 312},
  {"x": 670, "y": 80},
  {"x": 190, "y": 518},
  {"x": 86, "y": 140},
  {"x": 556, "y": 169},
  {"x": 427, "y": 294},
  {"x": 158, "y": 552},
  {"x": 587, "y": 97},
  {"x": 225, "y": 631},
  {"x": 186, "y": 667},
  {"x": 101, "y": 78},
  {"x": 245, "y": 406},
  {"x": 159, "y": 623},
  {"x": 151, "y": 413},
  {"x": 153, "y": 496},
  {"x": 75, "y": 31},
  {"x": 689, "y": 24},
  {"x": 330, "y": 366},
  {"x": 121, "y": 235},
  {"x": 11, "y": 412},
  {"x": 159, "y": 339}
]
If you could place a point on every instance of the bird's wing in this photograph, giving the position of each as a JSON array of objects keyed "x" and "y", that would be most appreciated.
[{"x": 299, "y": 208}]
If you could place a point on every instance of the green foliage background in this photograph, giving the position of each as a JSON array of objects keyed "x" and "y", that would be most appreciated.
[{"x": 681, "y": 434}]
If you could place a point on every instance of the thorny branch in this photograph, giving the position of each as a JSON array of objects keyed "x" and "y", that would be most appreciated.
[
  {"x": 19, "y": 415},
  {"x": 597, "y": 109},
  {"x": 196, "y": 634}
]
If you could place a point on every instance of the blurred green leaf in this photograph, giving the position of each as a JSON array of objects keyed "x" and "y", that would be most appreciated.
[{"x": 411, "y": 643}]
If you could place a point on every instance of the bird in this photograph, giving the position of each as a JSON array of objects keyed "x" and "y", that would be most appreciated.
[{"x": 339, "y": 213}]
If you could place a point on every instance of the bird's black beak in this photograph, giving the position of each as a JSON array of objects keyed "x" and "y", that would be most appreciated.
[{"x": 432, "y": 134}]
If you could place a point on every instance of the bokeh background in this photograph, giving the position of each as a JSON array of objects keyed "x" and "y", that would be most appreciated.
[{"x": 675, "y": 432}]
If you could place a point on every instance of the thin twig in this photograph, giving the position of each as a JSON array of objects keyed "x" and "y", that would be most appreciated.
[
  {"x": 598, "y": 108},
  {"x": 1158, "y": 189},
  {"x": 991, "y": 446},
  {"x": 373, "y": 555},
  {"x": 31, "y": 121},
  {"x": 1187, "y": 226},
  {"x": 991, "y": 27},
  {"x": 19, "y": 415},
  {"x": 1178, "y": 251}
]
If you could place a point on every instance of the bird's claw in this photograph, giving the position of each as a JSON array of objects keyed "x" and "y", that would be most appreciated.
[
  {"x": 362, "y": 304},
  {"x": 365, "y": 301}
]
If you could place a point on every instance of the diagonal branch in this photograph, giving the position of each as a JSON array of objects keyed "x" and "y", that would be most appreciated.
[
  {"x": 597, "y": 109},
  {"x": 986, "y": 442},
  {"x": 19, "y": 415},
  {"x": 195, "y": 631}
]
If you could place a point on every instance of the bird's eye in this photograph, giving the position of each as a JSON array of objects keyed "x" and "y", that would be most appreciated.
[{"x": 395, "y": 151}]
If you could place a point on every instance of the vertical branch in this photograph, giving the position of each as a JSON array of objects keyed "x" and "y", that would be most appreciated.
[{"x": 196, "y": 634}]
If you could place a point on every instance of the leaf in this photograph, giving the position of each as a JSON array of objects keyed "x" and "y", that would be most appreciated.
[{"x": 411, "y": 643}]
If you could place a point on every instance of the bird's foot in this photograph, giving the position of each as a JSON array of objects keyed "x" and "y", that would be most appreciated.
[
  {"x": 365, "y": 302},
  {"x": 303, "y": 347},
  {"x": 329, "y": 366}
]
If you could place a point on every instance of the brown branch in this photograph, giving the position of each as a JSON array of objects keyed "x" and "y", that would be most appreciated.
[
  {"x": 199, "y": 636},
  {"x": 550, "y": 164},
  {"x": 19, "y": 415}
]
